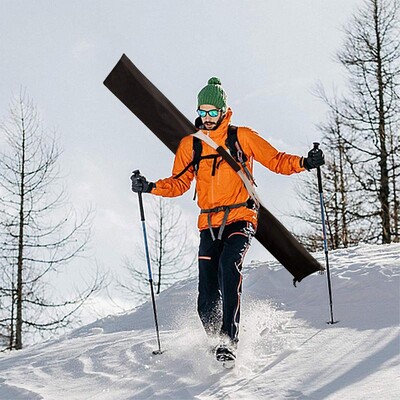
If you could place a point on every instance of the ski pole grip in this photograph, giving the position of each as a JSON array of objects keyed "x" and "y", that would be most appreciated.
[
  {"x": 141, "y": 208},
  {"x": 316, "y": 148}
]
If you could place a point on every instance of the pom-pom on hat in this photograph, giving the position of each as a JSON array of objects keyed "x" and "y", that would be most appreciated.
[{"x": 212, "y": 94}]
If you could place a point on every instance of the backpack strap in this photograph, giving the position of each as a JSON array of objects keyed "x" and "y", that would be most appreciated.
[
  {"x": 197, "y": 149},
  {"x": 233, "y": 144},
  {"x": 184, "y": 170},
  {"x": 232, "y": 163},
  {"x": 197, "y": 157},
  {"x": 234, "y": 147}
]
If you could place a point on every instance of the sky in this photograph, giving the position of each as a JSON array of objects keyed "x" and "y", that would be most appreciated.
[{"x": 269, "y": 56}]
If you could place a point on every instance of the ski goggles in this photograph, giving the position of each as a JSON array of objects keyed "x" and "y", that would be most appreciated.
[{"x": 212, "y": 113}]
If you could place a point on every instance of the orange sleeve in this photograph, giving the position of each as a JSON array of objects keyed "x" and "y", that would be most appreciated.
[
  {"x": 263, "y": 152},
  {"x": 172, "y": 186}
]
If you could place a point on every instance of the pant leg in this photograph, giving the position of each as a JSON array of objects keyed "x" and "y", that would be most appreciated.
[
  {"x": 209, "y": 296},
  {"x": 235, "y": 243}
]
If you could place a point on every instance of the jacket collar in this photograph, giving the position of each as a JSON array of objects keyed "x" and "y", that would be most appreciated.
[{"x": 222, "y": 129}]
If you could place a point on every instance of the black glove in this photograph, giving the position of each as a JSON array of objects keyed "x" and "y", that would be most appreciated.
[
  {"x": 314, "y": 159},
  {"x": 140, "y": 184}
]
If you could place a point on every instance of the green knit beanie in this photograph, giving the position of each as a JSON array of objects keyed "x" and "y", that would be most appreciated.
[{"x": 212, "y": 94}]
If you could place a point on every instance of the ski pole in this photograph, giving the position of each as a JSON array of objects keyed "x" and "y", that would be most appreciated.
[
  {"x": 146, "y": 248},
  {"x": 328, "y": 273}
]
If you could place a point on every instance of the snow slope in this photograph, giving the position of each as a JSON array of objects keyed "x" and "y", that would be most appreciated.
[{"x": 286, "y": 351}]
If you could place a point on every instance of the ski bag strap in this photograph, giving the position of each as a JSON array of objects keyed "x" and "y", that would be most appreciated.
[{"x": 233, "y": 164}]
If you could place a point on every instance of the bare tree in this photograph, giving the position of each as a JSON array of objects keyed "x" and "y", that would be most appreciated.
[
  {"x": 362, "y": 135},
  {"x": 343, "y": 203},
  {"x": 394, "y": 135},
  {"x": 39, "y": 231},
  {"x": 371, "y": 57},
  {"x": 171, "y": 253}
]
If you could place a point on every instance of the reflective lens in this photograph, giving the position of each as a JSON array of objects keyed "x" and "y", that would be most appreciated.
[{"x": 212, "y": 113}]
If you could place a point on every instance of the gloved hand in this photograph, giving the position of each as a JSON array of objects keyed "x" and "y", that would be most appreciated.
[
  {"x": 315, "y": 158},
  {"x": 140, "y": 183}
]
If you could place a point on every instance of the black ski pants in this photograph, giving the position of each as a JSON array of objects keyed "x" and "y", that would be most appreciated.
[{"x": 220, "y": 278}]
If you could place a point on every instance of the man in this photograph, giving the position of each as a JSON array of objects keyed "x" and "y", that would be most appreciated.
[{"x": 228, "y": 217}]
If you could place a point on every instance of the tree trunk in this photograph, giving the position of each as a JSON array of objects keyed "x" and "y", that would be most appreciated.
[
  {"x": 335, "y": 239},
  {"x": 384, "y": 173},
  {"x": 343, "y": 193},
  {"x": 395, "y": 198},
  {"x": 12, "y": 316},
  {"x": 20, "y": 261}
]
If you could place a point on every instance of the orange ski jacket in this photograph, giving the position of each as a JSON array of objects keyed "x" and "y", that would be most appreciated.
[{"x": 224, "y": 187}]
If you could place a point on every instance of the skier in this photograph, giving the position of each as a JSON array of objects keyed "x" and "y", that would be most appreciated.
[{"x": 228, "y": 217}]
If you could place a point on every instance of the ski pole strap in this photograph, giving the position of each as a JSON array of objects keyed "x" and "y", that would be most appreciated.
[{"x": 226, "y": 210}]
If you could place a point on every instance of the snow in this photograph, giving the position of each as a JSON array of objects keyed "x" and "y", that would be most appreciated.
[{"x": 286, "y": 348}]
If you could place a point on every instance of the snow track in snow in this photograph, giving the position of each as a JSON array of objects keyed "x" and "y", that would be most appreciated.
[{"x": 286, "y": 349}]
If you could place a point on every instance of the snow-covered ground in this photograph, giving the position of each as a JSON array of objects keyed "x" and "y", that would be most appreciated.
[{"x": 286, "y": 349}]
